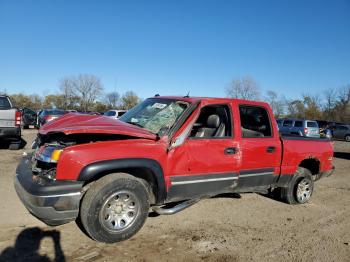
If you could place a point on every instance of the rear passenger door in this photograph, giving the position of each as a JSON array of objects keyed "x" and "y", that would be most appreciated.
[{"x": 260, "y": 148}]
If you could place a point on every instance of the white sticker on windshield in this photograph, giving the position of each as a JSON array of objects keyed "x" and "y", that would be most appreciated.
[{"x": 159, "y": 105}]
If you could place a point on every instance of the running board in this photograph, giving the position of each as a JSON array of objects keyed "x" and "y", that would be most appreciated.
[{"x": 162, "y": 210}]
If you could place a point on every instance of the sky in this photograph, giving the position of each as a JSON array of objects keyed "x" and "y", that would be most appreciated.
[{"x": 175, "y": 47}]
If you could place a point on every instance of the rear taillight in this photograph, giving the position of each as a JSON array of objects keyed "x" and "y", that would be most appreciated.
[
  {"x": 18, "y": 119},
  {"x": 306, "y": 130}
]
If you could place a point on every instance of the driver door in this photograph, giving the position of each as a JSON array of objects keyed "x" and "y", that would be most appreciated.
[{"x": 210, "y": 156}]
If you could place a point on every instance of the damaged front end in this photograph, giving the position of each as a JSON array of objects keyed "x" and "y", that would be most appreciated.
[{"x": 48, "y": 149}]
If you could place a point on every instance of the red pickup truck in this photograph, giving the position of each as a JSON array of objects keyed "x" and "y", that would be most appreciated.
[{"x": 163, "y": 155}]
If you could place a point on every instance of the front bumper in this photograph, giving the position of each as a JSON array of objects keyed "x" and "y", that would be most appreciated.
[{"x": 53, "y": 202}]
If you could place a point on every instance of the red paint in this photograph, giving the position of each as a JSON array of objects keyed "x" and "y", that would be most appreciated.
[
  {"x": 80, "y": 123},
  {"x": 194, "y": 156}
]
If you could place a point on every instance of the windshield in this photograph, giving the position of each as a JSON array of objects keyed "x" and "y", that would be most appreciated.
[{"x": 155, "y": 114}]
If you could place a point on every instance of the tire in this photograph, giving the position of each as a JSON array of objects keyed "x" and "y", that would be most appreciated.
[
  {"x": 300, "y": 189},
  {"x": 347, "y": 138},
  {"x": 25, "y": 127},
  {"x": 115, "y": 208},
  {"x": 14, "y": 146}
]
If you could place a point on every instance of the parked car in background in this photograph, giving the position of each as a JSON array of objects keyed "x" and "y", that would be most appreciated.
[
  {"x": 29, "y": 117},
  {"x": 10, "y": 123},
  {"x": 47, "y": 115},
  {"x": 341, "y": 132},
  {"x": 298, "y": 127},
  {"x": 114, "y": 113}
]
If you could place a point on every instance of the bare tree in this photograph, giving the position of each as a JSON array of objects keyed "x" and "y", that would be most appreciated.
[
  {"x": 312, "y": 106},
  {"x": 277, "y": 103},
  {"x": 129, "y": 100},
  {"x": 342, "y": 107},
  {"x": 245, "y": 88},
  {"x": 86, "y": 87},
  {"x": 112, "y": 99},
  {"x": 67, "y": 92},
  {"x": 330, "y": 96}
]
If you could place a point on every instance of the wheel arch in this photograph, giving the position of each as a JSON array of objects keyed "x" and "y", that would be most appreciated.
[
  {"x": 144, "y": 168},
  {"x": 313, "y": 165}
]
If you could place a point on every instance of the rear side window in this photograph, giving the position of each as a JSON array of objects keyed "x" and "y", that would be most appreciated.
[
  {"x": 255, "y": 122},
  {"x": 287, "y": 123},
  {"x": 298, "y": 124},
  {"x": 4, "y": 103},
  {"x": 311, "y": 124}
]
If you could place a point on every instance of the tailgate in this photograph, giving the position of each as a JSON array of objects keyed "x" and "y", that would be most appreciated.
[{"x": 7, "y": 117}]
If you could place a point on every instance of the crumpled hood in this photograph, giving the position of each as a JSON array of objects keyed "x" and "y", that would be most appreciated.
[{"x": 74, "y": 123}]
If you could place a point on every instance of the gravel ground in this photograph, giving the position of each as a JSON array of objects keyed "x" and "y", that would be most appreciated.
[{"x": 250, "y": 228}]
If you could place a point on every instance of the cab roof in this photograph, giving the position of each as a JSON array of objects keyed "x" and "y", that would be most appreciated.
[{"x": 212, "y": 100}]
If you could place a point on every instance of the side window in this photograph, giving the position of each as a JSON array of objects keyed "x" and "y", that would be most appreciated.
[
  {"x": 298, "y": 124},
  {"x": 214, "y": 121},
  {"x": 288, "y": 123},
  {"x": 255, "y": 122},
  {"x": 121, "y": 113}
]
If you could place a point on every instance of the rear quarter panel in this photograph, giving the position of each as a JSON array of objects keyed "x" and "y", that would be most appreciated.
[{"x": 295, "y": 151}]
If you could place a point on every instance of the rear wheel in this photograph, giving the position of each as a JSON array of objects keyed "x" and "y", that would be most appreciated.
[
  {"x": 347, "y": 138},
  {"x": 300, "y": 188},
  {"x": 115, "y": 208}
]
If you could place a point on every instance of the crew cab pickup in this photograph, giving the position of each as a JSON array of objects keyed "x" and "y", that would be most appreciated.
[
  {"x": 10, "y": 123},
  {"x": 164, "y": 155}
]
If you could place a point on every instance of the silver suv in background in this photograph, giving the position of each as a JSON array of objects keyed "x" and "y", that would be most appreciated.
[{"x": 298, "y": 127}]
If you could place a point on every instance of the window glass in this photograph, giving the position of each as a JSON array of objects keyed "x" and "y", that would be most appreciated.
[
  {"x": 4, "y": 103},
  {"x": 214, "y": 121},
  {"x": 287, "y": 123},
  {"x": 255, "y": 122},
  {"x": 311, "y": 124},
  {"x": 109, "y": 113},
  {"x": 156, "y": 115},
  {"x": 298, "y": 124},
  {"x": 121, "y": 113}
]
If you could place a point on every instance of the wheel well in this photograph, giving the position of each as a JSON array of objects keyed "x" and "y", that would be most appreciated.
[
  {"x": 144, "y": 173},
  {"x": 312, "y": 164}
]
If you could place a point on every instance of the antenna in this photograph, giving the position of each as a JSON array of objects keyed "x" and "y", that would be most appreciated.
[{"x": 188, "y": 94}]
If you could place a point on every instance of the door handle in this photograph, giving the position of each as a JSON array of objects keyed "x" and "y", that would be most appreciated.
[
  {"x": 270, "y": 149},
  {"x": 230, "y": 150}
]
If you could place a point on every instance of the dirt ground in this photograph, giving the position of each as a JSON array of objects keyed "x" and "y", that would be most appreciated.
[{"x": 250, "y": 228}]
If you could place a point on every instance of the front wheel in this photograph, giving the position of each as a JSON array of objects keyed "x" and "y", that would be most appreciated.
[
  {"x": 115, "y": 208},
  {"x": 300, "y": 189},
  {"x": 347, "y": 138}
]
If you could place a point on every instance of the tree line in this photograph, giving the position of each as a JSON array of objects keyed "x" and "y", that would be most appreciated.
[
  {"x": 332, "y": 104},
  {"x": 86, "y": 93},
  {"x": 82, "y": 92}
]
